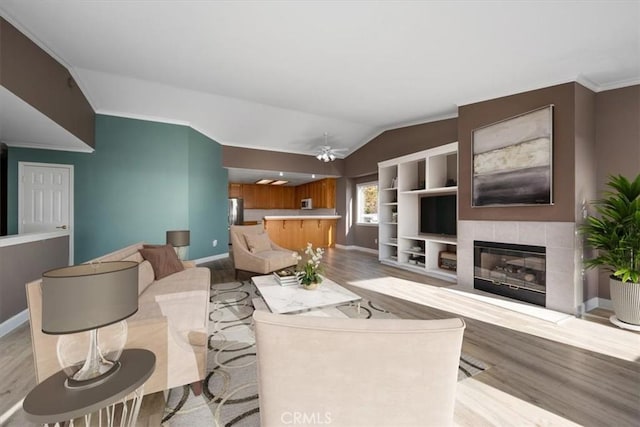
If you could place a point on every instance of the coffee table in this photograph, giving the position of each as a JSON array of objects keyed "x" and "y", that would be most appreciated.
[{"x": 296, "y": 299}]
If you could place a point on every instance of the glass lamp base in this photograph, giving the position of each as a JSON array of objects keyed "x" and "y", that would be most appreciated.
[{"x": 90, "y": 358}]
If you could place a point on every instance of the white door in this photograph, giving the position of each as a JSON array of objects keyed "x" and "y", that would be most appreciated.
[{"x": 45, "y": 197}]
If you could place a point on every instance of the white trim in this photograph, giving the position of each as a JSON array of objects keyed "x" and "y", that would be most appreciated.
[
  {"x": 19, "y": 239},
  {"x": 9, "y": 413},
  {"x": 368, "y": 224},
  {"x": 145, "y": 117},
  {"x": 357, "y": 248},
  {"x": 619, "y": 84},
  {"x": 597, "y": 302},
  {"x": 605, "y": 303},
  {"x": 211, "y": 258},
  {"x": 21, "y": 166},
  {"x": 32, "y": 145},
  {"x": 13, "y": 322},
  {"x": 590, "y": 304}
]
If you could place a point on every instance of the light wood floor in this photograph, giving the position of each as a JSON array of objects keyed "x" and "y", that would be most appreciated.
[{"x": 585, "y": 372}]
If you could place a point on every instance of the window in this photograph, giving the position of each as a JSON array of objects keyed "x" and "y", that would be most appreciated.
[{"x": 367, "y": 200}]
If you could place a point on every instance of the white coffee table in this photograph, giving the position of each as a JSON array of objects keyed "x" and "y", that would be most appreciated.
[{"x": 296, "y": 299}]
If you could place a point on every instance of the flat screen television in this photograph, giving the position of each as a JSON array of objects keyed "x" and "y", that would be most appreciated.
[{"x": 438, "y": 215}]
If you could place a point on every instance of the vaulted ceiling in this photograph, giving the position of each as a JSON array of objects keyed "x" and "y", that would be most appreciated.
[{"x": 278, "y": 75}]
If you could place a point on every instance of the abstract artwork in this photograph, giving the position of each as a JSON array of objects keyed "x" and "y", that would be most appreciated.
[{"x": 512, "y": 160}]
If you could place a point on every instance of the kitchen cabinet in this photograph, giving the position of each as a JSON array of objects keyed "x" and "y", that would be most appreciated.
[
  {"x": 294, "y": 232},
  {"x": 322, "y": 192},
  {"x": 235, "y": 190}
]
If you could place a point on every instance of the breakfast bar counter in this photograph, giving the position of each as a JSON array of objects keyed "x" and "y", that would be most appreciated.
[{"x": 295, "y": 231}]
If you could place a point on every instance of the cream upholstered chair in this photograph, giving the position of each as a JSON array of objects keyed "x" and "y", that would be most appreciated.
[
  {"x": 356, "y": 372},
  {"x": 253, "y": 251}
]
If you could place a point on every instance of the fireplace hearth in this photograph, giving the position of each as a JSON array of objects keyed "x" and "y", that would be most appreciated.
[{"x": 510, "y": 270}]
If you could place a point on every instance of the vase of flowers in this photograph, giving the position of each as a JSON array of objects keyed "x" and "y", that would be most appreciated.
[{"x": 310, "y": 268}]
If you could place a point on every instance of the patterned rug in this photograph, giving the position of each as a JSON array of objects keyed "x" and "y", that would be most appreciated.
[{"x": 230, "y": 396}]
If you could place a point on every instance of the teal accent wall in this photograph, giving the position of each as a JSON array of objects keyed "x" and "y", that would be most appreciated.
[
  {"x": 208, "y": 193},
  {"x": 143, "y": 179}
]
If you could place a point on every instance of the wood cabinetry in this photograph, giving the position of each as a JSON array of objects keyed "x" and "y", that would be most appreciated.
[
  {"x": 235, "y": 190},
  {"x": 295, "y": 233},
  {"x": 323, "y": 193}
]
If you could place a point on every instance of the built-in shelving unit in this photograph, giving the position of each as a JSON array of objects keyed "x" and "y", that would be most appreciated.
[{"x": 403, "y": 181}]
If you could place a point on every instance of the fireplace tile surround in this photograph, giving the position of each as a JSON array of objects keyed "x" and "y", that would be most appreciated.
[{"x": 563, "y": 246}]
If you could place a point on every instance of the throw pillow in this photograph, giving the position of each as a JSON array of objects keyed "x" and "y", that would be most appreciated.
[
  {"x": 258, "y": 242},
  {"x": 145, "y": 276},
  {"x": 163, "y": 259}
]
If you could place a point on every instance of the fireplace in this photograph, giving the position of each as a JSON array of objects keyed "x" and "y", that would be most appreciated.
[{"x": 514, "y": 271}]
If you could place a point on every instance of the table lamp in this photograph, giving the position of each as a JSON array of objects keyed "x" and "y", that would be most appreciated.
[
  {"x": 179, "y": 239},
  {"x": 86, "y": 305}
]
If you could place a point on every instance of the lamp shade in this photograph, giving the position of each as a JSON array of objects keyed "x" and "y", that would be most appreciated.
[
  {"x": 88, "y": 296},
  {"x": 177, "y": 238}
]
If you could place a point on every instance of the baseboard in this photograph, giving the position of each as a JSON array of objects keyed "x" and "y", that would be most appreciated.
[
  {"x": 605, "y": 303},
  {"x": 13, "y": 322},
  {"x": 596, "y": 302},
  {"x": 357, "y": 248},
  {"x": 211, "y": 258}
]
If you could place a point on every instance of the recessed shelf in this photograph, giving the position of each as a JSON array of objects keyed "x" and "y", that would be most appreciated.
[{"x": 412, "y": 177}]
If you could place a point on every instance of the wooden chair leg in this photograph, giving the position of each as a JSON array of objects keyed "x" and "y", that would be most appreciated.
[{"x": 196, "y": 388}]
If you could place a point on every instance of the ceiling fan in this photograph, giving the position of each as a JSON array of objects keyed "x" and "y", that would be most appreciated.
[{"x": 326, "y": 153}]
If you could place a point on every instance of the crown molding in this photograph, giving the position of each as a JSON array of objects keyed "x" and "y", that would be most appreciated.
[{"x": 34, "y": 145}]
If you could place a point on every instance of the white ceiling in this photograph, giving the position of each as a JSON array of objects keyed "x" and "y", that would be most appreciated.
[
  {"x": 277, "y": 75},
  {"x": 22, "y": 125},
  {"x": 251, "y": 176}
]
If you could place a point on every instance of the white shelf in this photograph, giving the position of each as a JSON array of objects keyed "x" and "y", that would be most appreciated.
[
  {"x": 434, "y": 191},
  {"x": 448, "y": 240},
  {"x": 407, "y": 179},
  {"x": 413, "y": 253}
]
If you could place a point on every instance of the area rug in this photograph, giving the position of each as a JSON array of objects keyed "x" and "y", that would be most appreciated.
[{"x": 230, "y": 396}]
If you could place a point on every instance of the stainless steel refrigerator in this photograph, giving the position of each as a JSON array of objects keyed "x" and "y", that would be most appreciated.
[{"x": 235, "y": 215}]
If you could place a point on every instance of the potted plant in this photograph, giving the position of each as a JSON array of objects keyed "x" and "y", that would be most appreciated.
[
  {"x": 615, "y": 233},
  {"x": 310, "y": 268}
]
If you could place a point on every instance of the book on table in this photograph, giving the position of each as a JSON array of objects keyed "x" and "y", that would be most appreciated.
[{"x": 287, "y": 277}]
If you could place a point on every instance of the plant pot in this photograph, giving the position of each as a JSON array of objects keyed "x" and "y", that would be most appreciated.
[
  {"x": 625, "y": 298},
  {"x": 311, "y": 286}
]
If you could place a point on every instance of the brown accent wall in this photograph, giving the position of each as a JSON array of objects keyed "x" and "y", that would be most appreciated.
[
  {"x": 250, "y": 158},
  {"x": 31, "y": 74},
  {"x": 585, "y": 171},
  {"x": 483, "y": 113},
  {"x": 617, "y": 130},
  {"x": 399, "y": 142},
  {"x": 617, "y": 133},
  {"x": 23, "y": 263},
  {"x": 364, "y": 236}
]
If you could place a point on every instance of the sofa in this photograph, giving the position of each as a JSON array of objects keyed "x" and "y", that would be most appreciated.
[
  {"x": 254, "y": 252},
  {"x": 171, "y": 321}
]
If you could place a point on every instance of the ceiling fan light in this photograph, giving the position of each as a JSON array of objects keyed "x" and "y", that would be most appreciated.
[
  {"x": 332, "y": 157},
  {"x": 319, "y": 156}
]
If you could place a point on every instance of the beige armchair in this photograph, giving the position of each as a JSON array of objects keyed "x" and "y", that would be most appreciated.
[
  {"x": 254, "y": 252},
  {"x": 356, "y": 372}
]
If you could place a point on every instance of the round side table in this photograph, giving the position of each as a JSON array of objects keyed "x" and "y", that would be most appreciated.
[{"x": 50, "y": 402}]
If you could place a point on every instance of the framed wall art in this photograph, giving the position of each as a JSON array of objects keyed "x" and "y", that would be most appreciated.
[{"x": 512, "y": 161}]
